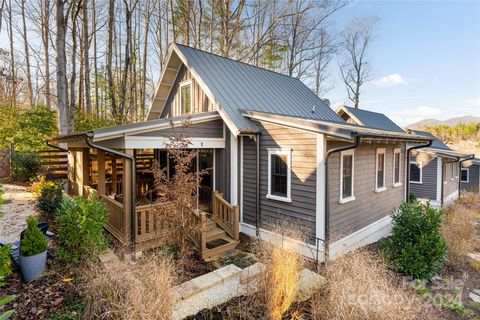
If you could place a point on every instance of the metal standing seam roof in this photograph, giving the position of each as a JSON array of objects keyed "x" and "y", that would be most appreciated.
[
  {"x": 437, "y": 144},
  {"x": 374, "y": 119},
  {"x": 239, "y": 86}
]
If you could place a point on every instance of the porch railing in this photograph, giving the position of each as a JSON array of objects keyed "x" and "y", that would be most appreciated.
[
  {"x": 116, "y": 220},
  {"x": 200, "y": 234},
  {"x": 145, "y": 224},
  {"x": 225, "y": 215}
]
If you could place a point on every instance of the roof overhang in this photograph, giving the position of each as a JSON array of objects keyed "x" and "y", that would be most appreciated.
[
  {"x": 333, "y": 129},
  {"x": 448, "y": 154},
  {"x": 123, "y": 131}
]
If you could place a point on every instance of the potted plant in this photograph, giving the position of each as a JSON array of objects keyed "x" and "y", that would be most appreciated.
[{"x": 33, "y": 251}]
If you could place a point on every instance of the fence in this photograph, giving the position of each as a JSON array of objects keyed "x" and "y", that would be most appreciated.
[{"x": 54, "y": 163}]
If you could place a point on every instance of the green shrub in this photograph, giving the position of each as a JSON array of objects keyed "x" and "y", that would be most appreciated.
[
  {"x": 50, "y": 197},
  {"x": 5, "y": 261},
  {"x": 416, "y": 246},
  {"x": 80, "y": 225},
  {"x": 4, "y": 300},
  {"x": 25, "y": 166},
  {"x": 34, "y": 241}
]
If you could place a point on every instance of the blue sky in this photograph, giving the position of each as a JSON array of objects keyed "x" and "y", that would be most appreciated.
[{"x": 425, "y": 59}]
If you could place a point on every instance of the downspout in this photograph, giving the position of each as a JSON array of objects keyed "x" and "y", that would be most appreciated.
[
  {"x": 407, "y": 193},
  {"x": 257, "y": 187},
  {"x": 327, "y": 213},
  {"x": 470, "y": 157},
  {"x": 88, "y": 137}
]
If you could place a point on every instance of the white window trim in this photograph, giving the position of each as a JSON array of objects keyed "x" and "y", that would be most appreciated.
[
  {"x": 419, "y": 164},
  {"x": 352, "y": 197},
  {"x": 468, "y": 175},
  {"x": 288, "y": 153},
  {"x": 380, "y": 151},
  {"x": 183, "y": 84},
  {"x": 395, "y": 152}
]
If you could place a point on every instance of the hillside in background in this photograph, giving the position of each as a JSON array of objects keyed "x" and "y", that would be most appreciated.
[
  {"x": 450, "y": 122},
  {"x": 459, "y": 133}
]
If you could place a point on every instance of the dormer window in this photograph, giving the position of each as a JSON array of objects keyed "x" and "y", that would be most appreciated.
[{"x": 186, "y": 97}]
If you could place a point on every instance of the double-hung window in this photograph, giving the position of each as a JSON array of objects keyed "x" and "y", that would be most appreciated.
[
  {"x": 186, "y": 97},
  {"x": 396, "y": 167},
  {"x": 346, "y": 176},
  {"x": 465, "y": 175},
  {"x": 279, "y": 174},
  {"x": 380, "y": 170},
  {"x": 415, "y": 171}
]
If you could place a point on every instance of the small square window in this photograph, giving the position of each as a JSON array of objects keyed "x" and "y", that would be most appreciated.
[{"x": 279, "y": 175}]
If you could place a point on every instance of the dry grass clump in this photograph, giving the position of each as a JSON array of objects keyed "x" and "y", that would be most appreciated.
[
  {"x": 283, "y": 265},
  {"x": 361, "y": 287},
  {"x": 459, "y": 230},
  {"x": 470, "y": 200},
  {"x": 141, "y": 291}
]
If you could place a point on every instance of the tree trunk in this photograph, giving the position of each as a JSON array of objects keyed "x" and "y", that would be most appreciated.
[
  {"x": 95, "y": 66},
  {"x": 61, "y": 60},
  {"x": 111, "y": 26},
  {"x": 86, "y": 63},
  {"x": 13, "y": 99},
  {"x": 27, "y": 55},
  {"x": 73, "y": 67},
  {"x": 45, "y": 38}
]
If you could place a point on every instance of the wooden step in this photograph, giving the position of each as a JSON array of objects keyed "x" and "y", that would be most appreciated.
[
  {"x": 217, "y": 252},
  {"x": 210, "y": 223},
  {"x": 215, "y": 234}
]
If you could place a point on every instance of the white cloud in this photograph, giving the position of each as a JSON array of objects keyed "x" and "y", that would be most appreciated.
[
  {"x": 473, "y": 102},
  {"x": 407, "y": 116},
  {"x": 390, "y": 80}
]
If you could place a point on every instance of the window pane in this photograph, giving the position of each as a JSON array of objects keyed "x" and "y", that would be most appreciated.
[
  {"x": 347, "y": 176},
  {"x": 380, "y": 170},
  {"x": 397, "y": 167},
  {"x": 464, "y": 175},
  {"x": 186, "y": 99},
  {"x": 414, "y": 172},
  {"x": 279, "y": 175}
]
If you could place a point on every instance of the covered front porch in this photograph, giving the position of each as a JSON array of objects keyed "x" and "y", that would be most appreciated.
[{"x": 118, "y": 167}]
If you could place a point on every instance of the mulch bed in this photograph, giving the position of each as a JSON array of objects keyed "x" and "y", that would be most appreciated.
[{"x": 43, "y": 298}]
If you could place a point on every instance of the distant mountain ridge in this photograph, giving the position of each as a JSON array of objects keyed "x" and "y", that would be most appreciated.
[{"x": 450, "y": 122}]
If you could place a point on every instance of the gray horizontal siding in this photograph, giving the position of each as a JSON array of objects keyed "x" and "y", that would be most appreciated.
[
  {"x": 473, "y": 182},
  {"x": 209, "y": 129},
  {"x": 301, "y": 212},
  {"x": 428, "y": 188},
  {"x": 368, "y": 206}
]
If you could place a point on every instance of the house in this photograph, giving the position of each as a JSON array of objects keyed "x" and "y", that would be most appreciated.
[
  {"x": 435, "y": 171},
  {"x": 278, "y": 154},
  {"x": 470, "y": 175}
]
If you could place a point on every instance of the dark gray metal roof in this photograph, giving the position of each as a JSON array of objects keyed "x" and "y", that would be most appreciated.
[
  {"x": 374, "y": 119},
  {"x": 437, "y": 144},
  {"x": 239, "y": 86}
]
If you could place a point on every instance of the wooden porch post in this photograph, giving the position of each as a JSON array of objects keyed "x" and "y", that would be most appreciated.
[
  {"x": 85, "y": 155},
  {"x": 128, "y": 184},
  {"x": 101, "y": 172}
]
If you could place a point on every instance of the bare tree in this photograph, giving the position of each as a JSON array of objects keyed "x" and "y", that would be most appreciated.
[
  {"x": 27, "y": 53},
  {"x": 61, "y": 60},
  {"x": 354, "y": 68},
  {"x": 323, "y": 56}
]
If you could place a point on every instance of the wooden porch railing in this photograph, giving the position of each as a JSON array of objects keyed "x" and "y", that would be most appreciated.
[
  {"x": 200, "y": 236},
  {"x": 226, "y": 215},
  {"x": 115, "y": 223},
  {"x": 146, "y": 227}
]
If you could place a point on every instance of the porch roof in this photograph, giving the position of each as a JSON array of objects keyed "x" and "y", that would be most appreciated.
[
  {"x": 123, "y": 130},
  {"x": 336, "y": 130},
  {"x": 443, "y": 153}
]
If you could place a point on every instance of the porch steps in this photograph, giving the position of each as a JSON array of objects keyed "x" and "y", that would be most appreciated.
[{"x": 218, "y": 241}]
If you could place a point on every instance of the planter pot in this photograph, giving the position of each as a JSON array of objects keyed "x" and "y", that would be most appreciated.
[{"x": 32, "y": 267}]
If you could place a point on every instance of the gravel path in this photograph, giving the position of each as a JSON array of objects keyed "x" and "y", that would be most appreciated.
[{"x": 19, "y": 204}]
